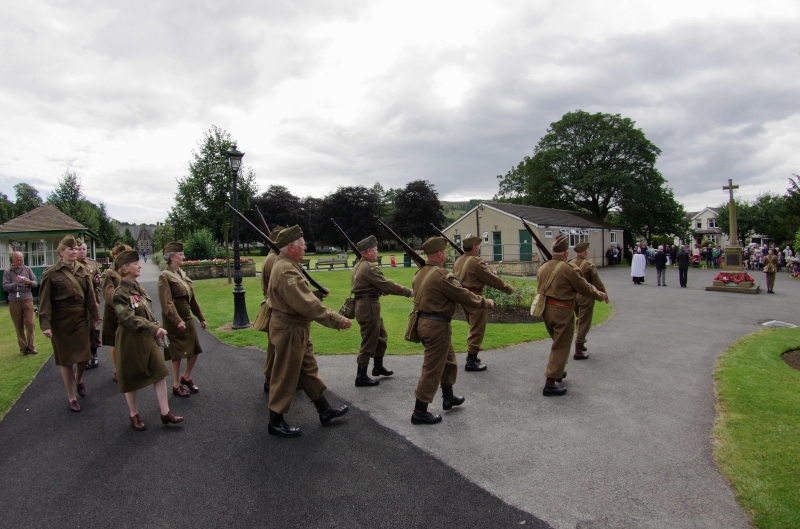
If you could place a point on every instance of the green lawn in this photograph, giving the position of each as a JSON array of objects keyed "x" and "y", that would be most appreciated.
[
  {"x": 217, "y": 302},
  {"x": 16, "y": 371},
  {"x": 757, "y": 434}
]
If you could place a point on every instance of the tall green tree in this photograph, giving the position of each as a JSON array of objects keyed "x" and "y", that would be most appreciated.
[
  {"x": 594, "y": 163},
  {"x": 203, "y": 193},
  {"x": 69, "y": 199},
  {"x": 163, "y": 234},
  {"x": 128, "y": 239},
  {"x": 6, "y": 208},
  {"x": 27, "y": 198},
  {"x": 654, "y": 213},
  {"x": 771, "y": 218},
  {"x": 745, "y": 220},
  {"x": 107, "y": 228},
  {"x": 416, "y": 208},
  {"x": 354, "y": 209}
]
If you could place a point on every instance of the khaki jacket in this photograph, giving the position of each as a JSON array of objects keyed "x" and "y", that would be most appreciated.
[
  {"x": 58, "y": 289},
  {"x": 368, "y": 279},
  {"x": 266, "y": 270},
  {"x": 443, "y": 291},
  {"x": 567, "y": 283},
  {"x": 590, "y": 274},
  {"x": 473, "y": 274},
  {"x": 771, "y": 263}
]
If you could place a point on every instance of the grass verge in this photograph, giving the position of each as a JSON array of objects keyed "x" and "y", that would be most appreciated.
[
  {"x": 216, "y": 301},
  {"x": 757, "y": 432},
  {"x": 16, "y": 371}
]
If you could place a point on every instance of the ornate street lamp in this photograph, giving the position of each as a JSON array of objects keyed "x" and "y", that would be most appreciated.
[{"x": 240, "y": 320}]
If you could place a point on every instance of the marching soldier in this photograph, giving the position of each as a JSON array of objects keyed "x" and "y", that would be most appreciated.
[
  {"x": 584, "y": 307},
  {"x": 558, "y": 316},
  {"x": 437, "y": 293},
  {"x": 294, "y": 307},
  {"x": 474, "y": 274},
  {"x": 266, "y": 270},
  {"x": 367, "y": 285},
  {"x": 94, "y": 273}
]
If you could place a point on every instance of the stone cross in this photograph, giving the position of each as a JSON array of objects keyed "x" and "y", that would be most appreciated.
[{"x": 734, "y": 229}]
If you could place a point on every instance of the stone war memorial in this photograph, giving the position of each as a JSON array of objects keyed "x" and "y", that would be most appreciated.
[{"x": 733, "y": 277}]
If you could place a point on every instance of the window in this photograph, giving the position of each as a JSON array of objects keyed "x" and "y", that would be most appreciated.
[
  {"x": 548, "y": 234},
  {"x": 36, "y": 257},
  {"x": 613, "y": 237},
  {"x": 576, "y": 236},
  {"x": 712, "y": 223}
]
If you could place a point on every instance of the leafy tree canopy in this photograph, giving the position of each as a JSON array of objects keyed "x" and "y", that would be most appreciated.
[
  {"x": 69, "y": 199},
  {"x": 6, "y": 208},
  {"x": 354, "y": 209},
  {"x": 27, "y": 198},
  {"x": 417, "y": 207},
  {"x": 654, "y": 212}
]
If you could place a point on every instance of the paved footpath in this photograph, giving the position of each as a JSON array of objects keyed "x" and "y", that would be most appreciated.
[{"x": 628, "y": 446}]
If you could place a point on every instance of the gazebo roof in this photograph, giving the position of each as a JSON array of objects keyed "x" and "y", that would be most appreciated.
[{"x": 45, "y": 218}]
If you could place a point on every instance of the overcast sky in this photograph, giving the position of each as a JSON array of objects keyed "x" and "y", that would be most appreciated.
[{"x": 322, "y": 94}]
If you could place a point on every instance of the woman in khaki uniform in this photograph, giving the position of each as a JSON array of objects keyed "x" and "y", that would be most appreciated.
[
  {"x": 111, "y": 280},
  {"x": 178, "y": 303},
  {"x": 66, "y": 302},
  {"x": 139, "y": 362}
]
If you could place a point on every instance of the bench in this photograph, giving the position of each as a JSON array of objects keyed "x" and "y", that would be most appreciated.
[
  {"x": 305, "y": 263},
  {"x": 331, "y": 262}
]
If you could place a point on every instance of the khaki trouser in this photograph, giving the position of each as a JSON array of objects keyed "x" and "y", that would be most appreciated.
[
  {"x": 269, "y": 360},
  {"x": 770, "y": 280},
  {"x": 560, "y": 324},
  {"x": 439, "y": 366},
  {"x": 294, "y": 363},
  {"x": 24, "y": 323},
  {"x": 476, "y": 318},
  {"x": 584, "y": 311},
  {"x": 373, "y": 333}
]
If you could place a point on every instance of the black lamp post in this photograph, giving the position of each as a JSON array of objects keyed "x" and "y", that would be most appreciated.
[{"x": 240, "y": 319}]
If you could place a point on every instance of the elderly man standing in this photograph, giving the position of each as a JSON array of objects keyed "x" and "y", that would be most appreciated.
[
  {"x": 584, "y": 306},
  {"x": 561, "y": 282},
  {"x": 437, "y": 293},
  {"x": 93, "y": 270},
  {"x": 294, "y": 307},
  {"x": 474, "y": 274},
  {"x": 367, "y": 286},
  {"x": 18, "y": 282}
]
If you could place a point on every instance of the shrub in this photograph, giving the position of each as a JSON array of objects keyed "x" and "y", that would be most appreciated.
[
  {"x": 200, "y": 245},
  {"x": 524, "y": 292}
]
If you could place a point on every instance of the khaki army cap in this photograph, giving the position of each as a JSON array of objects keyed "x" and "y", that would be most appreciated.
[
  {"x": 365, "y": 244},
  {"x": 275, "y": 231},
  {"x": 433, "y": 245},
  {"x": 473, "y": 241},
  {"x": 126, "y": 257},
  {"x": 68, "y": 241},
  {"x": 581, "y": 247},
  {"x": 174, "y": 247},
  {"x": 288, "y": 235},
  {"x": 561, "y": 244}
]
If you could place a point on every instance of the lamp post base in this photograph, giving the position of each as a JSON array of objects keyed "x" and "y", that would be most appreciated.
[{"x": 240, "y": 319}]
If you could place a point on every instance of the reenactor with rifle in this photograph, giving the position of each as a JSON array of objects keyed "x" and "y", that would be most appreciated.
[
  {"x": 584, "y": 307},
  {"x": 266, "y": 270},
  {"x": 474, "y": 275},
  {"x": 437, "y": 291},
  {"x": 368, "y": 285}
]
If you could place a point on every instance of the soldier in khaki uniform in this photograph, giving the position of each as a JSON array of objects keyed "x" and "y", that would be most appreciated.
[
  {"x": 68, "y": 312},
  {"x": 294, "y": 307},
  {"x": 94, "y": 273},
  {"x": 110, "y": 282},
  {"x": 367, "y": 285},
  {"x": 559, "y": 316},
  {"x": 770, "y": 268},
  {"x": 437, "y": 293},
  {"x": 474, "y": 274},
  {"x": 266, "y": 270},
  {"x": 584, "y": 307}
]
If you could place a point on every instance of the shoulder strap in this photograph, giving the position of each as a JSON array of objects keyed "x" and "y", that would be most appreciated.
[
  {"x": 422, "y": 286},
  {"x": 463, "y": 270},
  {"x": 552, "y": 276},
  {"x": 74, "y": 279}
]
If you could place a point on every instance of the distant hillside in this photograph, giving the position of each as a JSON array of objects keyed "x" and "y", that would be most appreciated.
[{"x": 454, "y": 210}]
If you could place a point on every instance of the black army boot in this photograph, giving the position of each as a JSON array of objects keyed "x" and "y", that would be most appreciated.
[
  {"x": 551, "y": 390},
  {"x": 326, "y": 412},
  {"x": 94, "y": 362},
  {"x": 421, "y": 414},
  {"x": 449, "y": 400},
  {"x": 378, "y": 369},
  {"x": 562, "y": 377},
  {"x": 579, "y": 352},
  {"x": 277, "y": 426},
  {"x": 473, "y": 363},
  {"x": 362, "y": 380}
]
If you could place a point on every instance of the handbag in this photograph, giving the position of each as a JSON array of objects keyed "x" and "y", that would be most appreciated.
[
  {"x": 162, "y": 341},
  {"x": 411, "y": 333},
  {"x": 262, "y": 318},
  {"x": 537, "y": 307},
  {"x": 348, "y": 309}
]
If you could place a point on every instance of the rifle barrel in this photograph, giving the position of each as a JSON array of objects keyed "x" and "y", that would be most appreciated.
[
  {"x": 411, "y": 253},
  {"x": 352, "y": 245},
  {"x": 542, "y": 248},
  {"x": 274, "y": 246}
]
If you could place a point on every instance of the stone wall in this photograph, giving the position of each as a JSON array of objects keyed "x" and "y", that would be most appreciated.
[
  {"x": 216, "y": 271},
  {"x": 518, "y": 269}
]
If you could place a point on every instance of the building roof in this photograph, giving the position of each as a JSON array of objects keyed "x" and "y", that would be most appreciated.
[
  {"x": 46, "y": 217},
  {"x": 547, "y": 217},
  {"x": 692, "y": 214}
]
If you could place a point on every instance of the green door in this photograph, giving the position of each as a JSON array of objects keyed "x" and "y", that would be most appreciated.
[
  {"x": 497, "y": 246},
  {"x": 525, "y": 246}
]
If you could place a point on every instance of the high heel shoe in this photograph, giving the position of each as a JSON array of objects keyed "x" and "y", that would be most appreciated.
[
  {"x": 189, "y": 384},
  {"x": 171, "y": 418},
  {"x": 81, "y": 389},
  {"x": 74, "y": 406},
  {"x": 137, "y": 423},
  {"x": 180, "y": 392}
]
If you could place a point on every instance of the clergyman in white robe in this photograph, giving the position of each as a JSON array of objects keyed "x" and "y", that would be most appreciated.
[{"x": 637, "y": 268}]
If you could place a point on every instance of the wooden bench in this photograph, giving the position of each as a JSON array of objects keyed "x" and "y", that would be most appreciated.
[
  {"x": 331, "y": 262},
  {"x": 305, "y": 263}
]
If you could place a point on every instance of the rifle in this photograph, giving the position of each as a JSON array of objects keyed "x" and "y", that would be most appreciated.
[
  {"x": 542, "y": 248},
  {"x": 411, "y": 253},
  {"x": 261, "y": 218},
  {"x": 454, "y": 245},
  {"x": 274, "y": 246},
  {"x": 353, "y": 246}
]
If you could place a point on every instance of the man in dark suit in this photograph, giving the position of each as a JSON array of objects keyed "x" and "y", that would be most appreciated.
[
  {"x": 683, "y": 265},
  {"x": 660, "y": 260}
]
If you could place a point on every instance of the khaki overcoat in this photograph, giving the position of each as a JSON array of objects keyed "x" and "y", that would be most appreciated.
[
  {"x": 584, "y": 306},
  {"x": 111, "y": 280},
  {"x": 68, "y": 308},
  {"x": 178, "y": 303},
  {"x": 139, "y": 362},
  {"x": 266, "y": 271}
]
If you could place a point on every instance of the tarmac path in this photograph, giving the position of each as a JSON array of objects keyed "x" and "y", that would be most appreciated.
[{"x": 628, "y": 446}]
